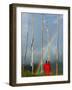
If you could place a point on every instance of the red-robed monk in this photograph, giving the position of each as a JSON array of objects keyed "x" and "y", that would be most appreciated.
[{"x": 47, "y": 68}]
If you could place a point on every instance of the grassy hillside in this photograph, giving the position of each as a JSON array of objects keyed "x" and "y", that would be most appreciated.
[{"x": 27, "y": 70}]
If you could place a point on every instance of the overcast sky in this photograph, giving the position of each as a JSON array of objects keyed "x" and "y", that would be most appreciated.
[{"x": 50, "y": 32}]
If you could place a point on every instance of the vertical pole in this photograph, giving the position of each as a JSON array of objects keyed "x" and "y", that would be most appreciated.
[
  {"x": 32, "y": 41},
  {"x": 48, "y": 50},
  {"x": 48, "y": 45},
  {"x": 42, "y": 47},
  {"x": 56, "y": 61},
  {"x": 57, "y": 56}
]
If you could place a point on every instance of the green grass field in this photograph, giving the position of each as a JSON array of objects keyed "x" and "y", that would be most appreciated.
[{"x": 27, "y": 73}]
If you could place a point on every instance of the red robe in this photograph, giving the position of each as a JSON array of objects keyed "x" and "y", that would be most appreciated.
[{"x": 47, "y": 68}]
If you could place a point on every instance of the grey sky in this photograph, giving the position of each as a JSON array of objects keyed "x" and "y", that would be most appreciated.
[{"x": 50, "y": 32}]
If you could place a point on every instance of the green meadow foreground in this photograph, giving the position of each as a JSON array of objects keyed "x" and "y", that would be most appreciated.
[{"x": 27, "y": 72}]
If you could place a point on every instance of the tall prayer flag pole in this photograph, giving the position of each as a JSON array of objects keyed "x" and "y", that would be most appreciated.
[
  {"x": 42, "y": 47},
  {"x": 48, "y": 49},
  {"x": 32, "y": 44},
  {"x": 57, "y": 55},
  {"x": 48, "y": 45}
]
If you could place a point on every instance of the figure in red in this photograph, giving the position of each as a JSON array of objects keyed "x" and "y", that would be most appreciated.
[{"x": 47, "y": 68}]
